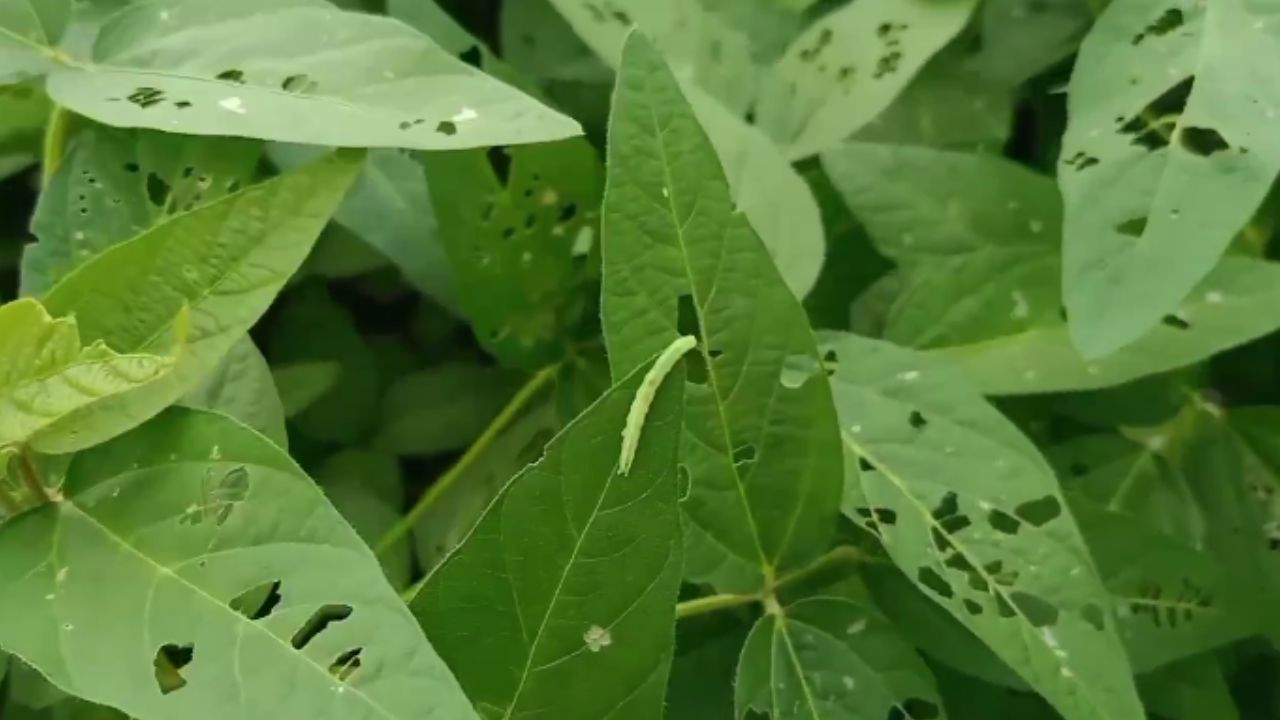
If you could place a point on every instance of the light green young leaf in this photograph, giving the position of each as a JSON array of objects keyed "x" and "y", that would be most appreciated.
[
  {"x": 293, "y": 71},
  {"x": 48, "y": 375},
  {"x": 225, "y": 261},
  {"x": 1230, "y": 307},
  {"x": 114, "y": 184},
  {"x": 29, "y": 30},
  {"x": 301, "y": 384},
  {"x": 519, "y": 233},
  {"x": 1155, "y": 191},
  {"x": 832, "y": 659},
  {"x": 443, "y": 408},
  {"x": 971, "y": 512},
  {"x": 849, "y": 66},
  {"x": 168, "y": 531},
  {"x": 764, "y": 461},
  {"x": 367, "y": 488},
  {"x": 241, "y": 387},
  {"x": 975, "y": 239},
  {"x": 577, "y": 605}
]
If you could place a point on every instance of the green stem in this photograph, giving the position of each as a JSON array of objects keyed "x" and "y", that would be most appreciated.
[
  {"x": 711, "y": 603},
  {"x": 517, "y": 404},
  {"x": 31, "y": 477},
  {"x": 835, "y": 556},
  {"x": 55, "y": 143}
]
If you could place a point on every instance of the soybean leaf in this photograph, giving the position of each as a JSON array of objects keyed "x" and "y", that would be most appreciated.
[
  {"x": 849, "y": 66},
  {"x": 970, "y": 511},
  {"x": 225, "y": 261},
  {"x": 519, "y": 229},
  {"x": 23, "y": 111},
  {"x": 975, "y": 239},
  {"x": 441, "y": 409},
  {"x": 114, "y": 184},
  {"x": 1168, "y": 153},
  {"x": 366, "y": 487},
  {"x": 241, "y": 386},
  {"x": 29, "y": 30},
  {"x": 48, "y": 375},
  {"x": 832, "y": 658},
  {"x": 301, "y": 384},
  {"x": 168, "y": 532},
  {"x": 763, "y": 460},
  {"x": 572, "y": 573},
  {"x": 1189, "y": 690},
  {"x": 1227, "y": 309},
  {"x": 342, "y": 78},
  {"x": 707, "y": 652}
]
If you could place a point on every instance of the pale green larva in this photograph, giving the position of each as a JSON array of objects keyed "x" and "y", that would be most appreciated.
[{"x": 644, "y": 398}]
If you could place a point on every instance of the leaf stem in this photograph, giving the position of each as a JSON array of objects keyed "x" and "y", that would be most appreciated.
[
  {"x": 711, "y": 603},
  {"x": 55, "y": 143},
  {"x": 518, "y": 402},
  {"x": 838, "y": 555},
  {"x": 31, "y": 477},
  {"x": 8, "y": 503}
]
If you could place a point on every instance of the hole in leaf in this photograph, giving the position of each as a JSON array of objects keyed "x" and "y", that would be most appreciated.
[
  {"x": 500, "y": 161},
  {"x": 169, "y": 661},
  {"x": 881, "y": 515},
  {"x": 1038, "y": 611},
  {"x": 1002, "y": 521},
  {"x": 447, "y": 127},
  {"x": 949, "y": 505},
  {"x": 1152, "y": 126},
  {"x": 472, "y": 56},
  {"x": 219, "y": 496},
  {"x": 974, "y": 607},
  {"x": 744, "y": 454},
  {"x": 1133, "y": 227},
  {"x": 865, "y": 465},
  {"x": 145, "y": 97},
  {"x": 508, "y": 233},
  {"x": 1039, "y": 512},
  {"x": 346, "y": 664},
  {"x": 1202, "y": 141},
  {"x": 917, "y": 420},
  {"x": 687, "y": 317},
  {"x": 157, "y": 190},
  {"x": 567, "y": 212},
  {"x": 819, "y": 44},
  {"x": 1003, "y": 608},
  {"x": 935, "y": 582},
  {"x": 683, "y": 481},
  {"x": 1081, "y": 161},
  {"x": 259, "y": 601},
  {"x": 318, "y": 622},
  {"x": 235, "y": 76},
  {"x": 132, "y": 167},
  {"x": 182, "y": 104},
  {"x": 298, "y": 83},
  {"x": 1093, "y": 615},
  {"x": 1169, "y": 20},
  {"x": 830, "y": 362},
  {"x": 1176, "y": 322}
]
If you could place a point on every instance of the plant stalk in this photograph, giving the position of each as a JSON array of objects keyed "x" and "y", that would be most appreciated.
[
  {"x": 31, "y": 476},
  {"x": 55, "y": 143},
  {"x": 509, "y": 413},
  {"x": 711, "y": 603}
]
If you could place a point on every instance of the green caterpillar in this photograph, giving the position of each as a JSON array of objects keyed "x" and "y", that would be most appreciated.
[{"x": 644, "y": 398}]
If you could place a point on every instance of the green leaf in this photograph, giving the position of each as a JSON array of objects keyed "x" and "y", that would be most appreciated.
[
  {"x": 48, "y": 376},
  {"x": 225, "y": 261},
  {"x": 29, "y": 29},
  {"x": 571, "y": 574},
  {"x": 849, "y": 66},
  {"x": 442, "y": 409},
  {"x": 1230, "y": 307},
  {"x": 969, "y": 510},
  {"x": 303, "y": 383},
  {"x": 832, "y": 658},
  {"x": 241, "y": 387},
  {"x": 975, "y": 239},
  {"x": 23, "y": 112},
  {"x": 1189, "y": 690},
  {"x": 520, "y": 231},
  {"x": 167, "y": 531},
  {"x": 707, "y": 651},
  {"x": 1169, "y": 152},
  {"x": 367, "y": 488},
  {"x": 763, "y": 460},
  {"x": 293, "y": 71},
  {"x": 114, "y": 184}
]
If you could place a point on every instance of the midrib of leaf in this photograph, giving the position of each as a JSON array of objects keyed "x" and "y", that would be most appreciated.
[
  {"x": 47, "y": 49},
  {"x": 795, "y": 661},
  {"x": 1116, "y": 503},
  {"x": 238, "y": 620},
  {"x": 970, "y": 557},
  {"x": 766, "y": 564}
]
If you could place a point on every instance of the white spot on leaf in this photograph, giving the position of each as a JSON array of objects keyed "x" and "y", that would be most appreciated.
[
  {"x": 1021, "y": 308},
  {"x": 597, "y": 638},
  {"x": 856, "y": 627},
  {"x": 1213, "y": 297},
  {"x": 233, "y": 104},
  {"x": 909, "y": 375},
  {"x": 464, "y": 115}
]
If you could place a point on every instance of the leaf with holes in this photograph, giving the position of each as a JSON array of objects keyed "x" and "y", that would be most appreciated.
[
  {"x": 572, "y": 574},
  {"x": 48, "y": 375},
  {"x": 225, "y": 261},
  {"x": 1230, "y": 307},
  {"x": 849, "y": 66},
  {"x": 519, "y": 227},
  {"x": 341, "y": 78},
  {"x": 975, "y": 239},
  {"x": 241, "y": 387},
  {"x": 1169, "y": 152},
  {"x": 829, "y": 658},
  {"x": 29, "y": 32},
  {"x": 114, "y": 184},
  {"x": 971, "y": 512},
  {"x": 170, "y": 531},
  {"x": 764, "y": 460}
]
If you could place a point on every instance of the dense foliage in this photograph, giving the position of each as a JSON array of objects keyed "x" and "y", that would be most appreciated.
[{"x": 697, "y": 359}]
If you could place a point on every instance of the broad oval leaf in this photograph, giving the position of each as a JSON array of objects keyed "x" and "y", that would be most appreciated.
[
  {"x": 29, "y": 29},
  {"x": 47, "y": 375},
  {"x": 1170, "y": 150},
  {"x": 967, "y": 507},
  {"x": 293, "y": 71},
  {"x": 832, "y": 659},
  {"x": 571, "y": 575},
  {"x": 190, "y": 569},
  {"x": 241, "y": 386},
  {"x": 225, "y": 261},
  {"x": 764, "y": 460}
]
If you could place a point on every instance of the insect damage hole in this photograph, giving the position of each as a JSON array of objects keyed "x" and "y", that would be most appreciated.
[
  {"x": 917, "y": 420},
  {"x": 1202, "y": 141},
  {"x": 318, "y": 623},
  {"x": 915, "y": 709},
  {"x": 1176, "y": 322},
  {"x": 1169, "y": 20},
  {"x": 259, "y": 601},
  {"x": 345, "y": 665},
  {"x": 169, "y": 662},
  {"x": 1040, "y": 512}
]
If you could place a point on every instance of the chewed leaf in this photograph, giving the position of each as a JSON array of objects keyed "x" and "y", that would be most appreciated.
[
  {"x": 967, "y": 507},
  {"x": 208, "y": 567},
  {"x": 763, "y": 459},
  {"x": 832, "y": 659},
  {"x": 1170, "y": 150},
  {"x": 294, "y": 71},
  {"x": 47, "y": 374},
  {"x": 571, "y": 574}
]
